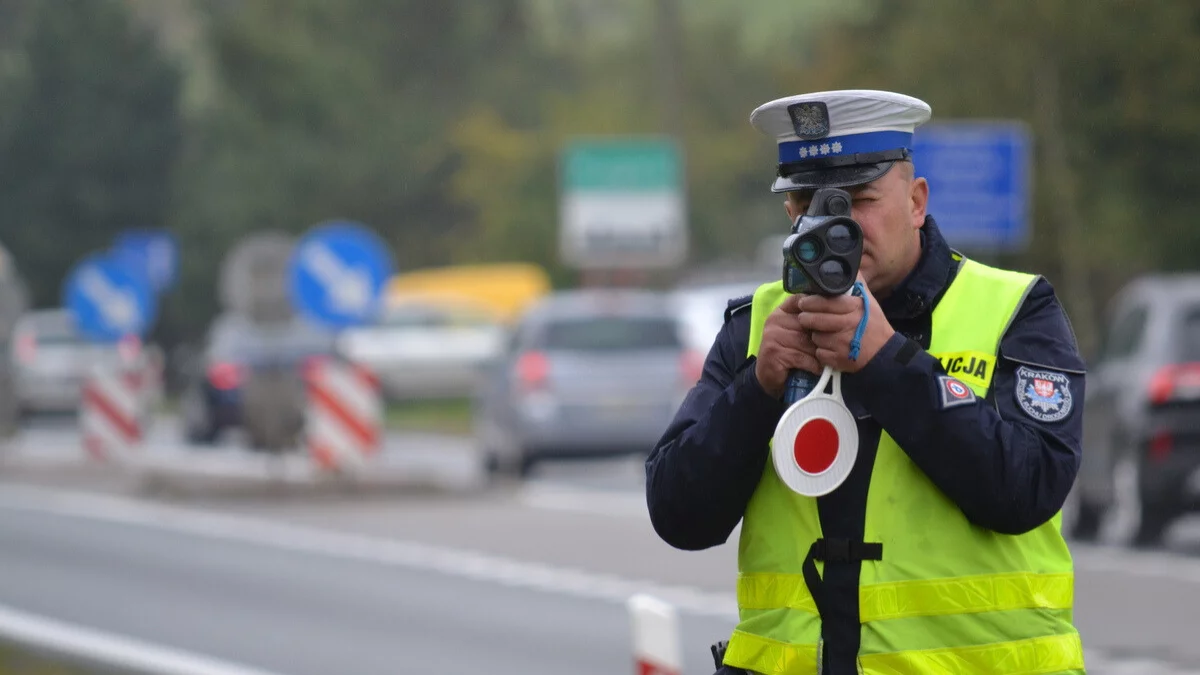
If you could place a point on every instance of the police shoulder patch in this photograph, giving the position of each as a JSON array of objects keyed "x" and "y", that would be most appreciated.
[
  {"x": 953, "y": 392},
  {"x": 1044, "y": 395}
]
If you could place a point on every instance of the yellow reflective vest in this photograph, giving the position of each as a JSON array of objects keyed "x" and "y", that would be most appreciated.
[{"x": 945, "y": 596}]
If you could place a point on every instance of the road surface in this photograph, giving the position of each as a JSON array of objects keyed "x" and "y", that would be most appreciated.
[{"x": 516, "y": 578}]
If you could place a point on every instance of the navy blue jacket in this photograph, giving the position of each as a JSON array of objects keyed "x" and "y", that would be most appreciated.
[{"x": 997, "y": 458}]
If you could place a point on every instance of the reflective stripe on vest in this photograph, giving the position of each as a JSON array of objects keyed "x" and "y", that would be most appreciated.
[
  {"x": 948, "y": 596},
  {"x": 1032, "y": 656},
  {"x": 929, "y": 597}
]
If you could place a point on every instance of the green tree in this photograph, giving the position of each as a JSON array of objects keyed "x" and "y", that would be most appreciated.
[
  {"x": 91, "y": 144},
  {"x": 336, "y": 110},
  {"x": 1106, "y": 89}
]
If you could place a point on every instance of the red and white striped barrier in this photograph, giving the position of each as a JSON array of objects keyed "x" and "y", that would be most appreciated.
[
  {"x": 344, "y": 416},
  {"x": 656, "y": 646},
  {"x": 111, "y": 412}
]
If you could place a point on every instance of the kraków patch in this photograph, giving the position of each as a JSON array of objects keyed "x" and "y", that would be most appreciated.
[{"x": 1044, "y": 395}]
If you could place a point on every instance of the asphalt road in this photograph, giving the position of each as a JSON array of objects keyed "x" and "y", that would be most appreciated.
[
  {"x": 518, "y": 578},
  {"x": 309, "y": 612}
]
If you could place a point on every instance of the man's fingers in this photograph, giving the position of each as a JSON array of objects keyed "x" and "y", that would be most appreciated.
[
  {"x": 783, "y": 321},
  {"x": 790, "y": 336},
  {"x": 825, "y": 323},
  {"x": 792, "y": 359},
  {"x": 831, "y": 341},
  {"x": 791, "y": 304},
  {"x": 806, "y": 362},
  {"x": 818, "y": 304},
  {"x": 804, "y": 340},
  {"x": 828, "y": 357}
]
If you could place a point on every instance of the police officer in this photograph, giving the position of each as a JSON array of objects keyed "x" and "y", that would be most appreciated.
[{"x": 941, "y": 552}]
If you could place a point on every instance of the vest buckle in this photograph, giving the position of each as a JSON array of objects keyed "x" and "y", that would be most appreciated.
[{"x": 844, "y": 550}]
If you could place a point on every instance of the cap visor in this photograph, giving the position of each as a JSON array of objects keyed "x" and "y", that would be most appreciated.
[{"x": 836, "y": 177}]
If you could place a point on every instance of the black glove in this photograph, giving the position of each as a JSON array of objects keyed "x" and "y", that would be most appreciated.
[{"x": 718, "y": 654}]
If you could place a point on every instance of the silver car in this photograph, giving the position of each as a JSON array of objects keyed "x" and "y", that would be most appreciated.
[
  {"x": 701, "y": 308},
  {"x": 50, "y": 360},
  {"x": 1142, "y": 410},
  {"x": 425, "y": 351},
  {"x": 585, "y": 374}
]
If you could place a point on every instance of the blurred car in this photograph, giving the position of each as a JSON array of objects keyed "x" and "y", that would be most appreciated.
[
  {"x": 702, "y": 309},
  {"x": 235, "y": 349},
  {"x": 1142, "y": 408},
  {"x": 586, "y": 373},
  {"x": 425, "y": 350},
  {"x": 51, "y": 359}
]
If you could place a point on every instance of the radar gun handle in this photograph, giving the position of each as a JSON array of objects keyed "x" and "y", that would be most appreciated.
[{"x": 799, "y": 384}]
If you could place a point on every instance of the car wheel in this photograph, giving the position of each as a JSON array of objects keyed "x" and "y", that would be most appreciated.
[
  {"x": 1142, "y": 517},
  {"x": 206, "y": 435},
  {"x": 1082, "y": 519},
  {"x": 1154, "y": 517},
  {"x": 517, "y": 465},
  {"x": 1152, "y": 526},
  {"x": 526, "y": 464},
  {"x": 198, "y": 428}
]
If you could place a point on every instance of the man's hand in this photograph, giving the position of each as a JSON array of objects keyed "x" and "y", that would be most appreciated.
[
  {"x": 832, "y": 323},
  {"x": 785, "y": 346}
]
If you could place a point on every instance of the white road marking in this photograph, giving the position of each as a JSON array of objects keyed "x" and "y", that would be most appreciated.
[{"x": 109, "y": 649}]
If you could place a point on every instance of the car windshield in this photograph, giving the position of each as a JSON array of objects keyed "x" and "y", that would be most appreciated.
[
  {"x": 611, "y": 333},
  {"x": 52, "y": 329},
  {"x": 238, "y": 338},
  {"x": 1189, "y": 337},
  {"x": 421, "y": 316}
]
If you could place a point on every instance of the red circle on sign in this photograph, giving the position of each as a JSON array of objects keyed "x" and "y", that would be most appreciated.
[
  {"x": 816, "y": 446},
  {"x": 958, "y": 390}
]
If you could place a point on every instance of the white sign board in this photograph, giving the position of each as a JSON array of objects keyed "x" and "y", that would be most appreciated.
[{"x": 623, "y": 204}]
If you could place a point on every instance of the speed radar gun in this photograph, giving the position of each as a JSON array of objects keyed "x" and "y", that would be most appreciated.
[{"x": 816, "y": 440}]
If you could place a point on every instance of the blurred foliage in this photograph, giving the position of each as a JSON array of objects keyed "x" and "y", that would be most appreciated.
[
  {"x": 451, "y": 416},
  {"x": 89, "y": 138},
  {"x": 439, "y": 124},
  {"x": 1110, "y": 84},
  {"x": 16, "y": 660}
]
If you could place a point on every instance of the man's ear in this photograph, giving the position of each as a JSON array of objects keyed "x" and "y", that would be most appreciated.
[
  {"x": 918, "y": 199},
  {"x": 791, "y": 210}
]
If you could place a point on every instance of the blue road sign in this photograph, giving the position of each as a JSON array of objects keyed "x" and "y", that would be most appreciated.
[
  {"x": 154, "y": 252},
  {"x": 338, "y": 272},
  {"x": 108, "y": 300},
  {"x": 979, "y": 182}
]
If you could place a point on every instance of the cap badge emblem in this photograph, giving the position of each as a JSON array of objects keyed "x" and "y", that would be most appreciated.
[{"x": 810, "y": 120}]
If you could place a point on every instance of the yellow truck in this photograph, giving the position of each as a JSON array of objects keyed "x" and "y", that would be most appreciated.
[{"x": 503, "y": 290}]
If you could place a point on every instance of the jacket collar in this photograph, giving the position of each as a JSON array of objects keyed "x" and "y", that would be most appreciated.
[{"x": 921, "y": 289}]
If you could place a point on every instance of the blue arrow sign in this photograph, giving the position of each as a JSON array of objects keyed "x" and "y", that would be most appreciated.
[
  {"x": 107, "y": 300},
  {"x": 154, "y": 252},
  {"x": 978, "y": 175},
  {"x": 338, "y": 272}
]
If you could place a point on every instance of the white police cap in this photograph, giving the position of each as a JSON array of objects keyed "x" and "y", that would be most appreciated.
[{"x": 839, "y": 138}]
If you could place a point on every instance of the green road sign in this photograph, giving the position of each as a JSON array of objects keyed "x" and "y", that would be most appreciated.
[{"x": 623, "y": 203}]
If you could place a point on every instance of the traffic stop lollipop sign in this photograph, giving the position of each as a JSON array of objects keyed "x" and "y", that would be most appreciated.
[{"x": 816, "y": 440}]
